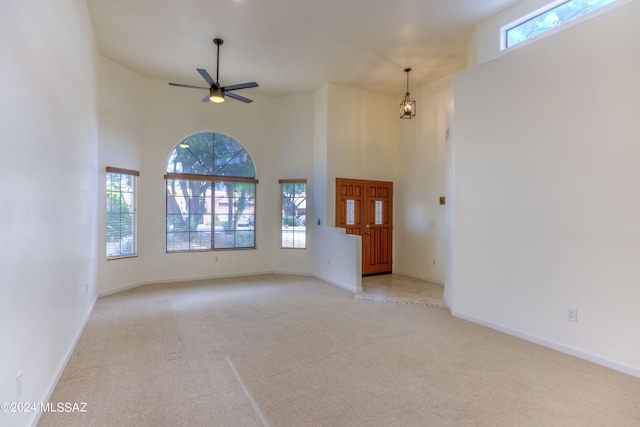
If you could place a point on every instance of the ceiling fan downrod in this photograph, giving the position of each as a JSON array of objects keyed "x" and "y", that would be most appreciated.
[{"x": 218, "y": 42}]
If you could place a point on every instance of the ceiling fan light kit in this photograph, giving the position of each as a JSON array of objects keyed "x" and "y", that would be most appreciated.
[
  {"x": 216, "y": 95},
  {"x": 408, "y": 104},
  {"x": 216, "y": 92}
]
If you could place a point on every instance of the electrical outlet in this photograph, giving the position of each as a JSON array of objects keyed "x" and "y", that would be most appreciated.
[
  {"x": 19, "y": 385},
  {"x": 572, "y": 314}
]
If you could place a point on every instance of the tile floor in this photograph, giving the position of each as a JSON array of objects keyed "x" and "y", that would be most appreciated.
[{"x": 400, "y": 289}]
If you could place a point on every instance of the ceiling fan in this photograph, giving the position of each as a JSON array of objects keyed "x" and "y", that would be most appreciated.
[{"x": 217, "y": 92}]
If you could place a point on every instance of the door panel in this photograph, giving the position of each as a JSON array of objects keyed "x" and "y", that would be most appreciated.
[
  {"x": 349, "y": 206},
  {"x": 380, "y": 214},
  {"x": 365, "y": 208}
]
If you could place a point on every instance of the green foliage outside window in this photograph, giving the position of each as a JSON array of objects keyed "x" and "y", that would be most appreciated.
[
  {"x": 214, "y": 212},
  {"x": 294, "y": 213},
  {"x": 121, "y": 233}
]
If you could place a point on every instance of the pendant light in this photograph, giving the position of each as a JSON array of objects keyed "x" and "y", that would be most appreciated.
[{"x": 408, "y": 104}]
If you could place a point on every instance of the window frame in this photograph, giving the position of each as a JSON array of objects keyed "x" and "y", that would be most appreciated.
[
  {"x": 561, "y": 26},
  {"x": 282, "y": 182},
  {"x": 192, "y": 239},
  {"x": 134, "y": 215},
  {"x": 213, "y": 180}
]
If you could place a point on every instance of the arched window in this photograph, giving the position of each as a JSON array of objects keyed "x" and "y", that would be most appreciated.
[{"x": 211, "y": 195}]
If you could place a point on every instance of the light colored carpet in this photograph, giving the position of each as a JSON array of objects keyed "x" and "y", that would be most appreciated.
[{"x": 295, "y": 351}]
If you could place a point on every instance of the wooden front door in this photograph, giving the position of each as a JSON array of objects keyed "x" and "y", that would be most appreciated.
[{"x": 365, "y": 208}]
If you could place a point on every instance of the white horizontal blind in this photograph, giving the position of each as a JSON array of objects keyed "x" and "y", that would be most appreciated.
[
  {"x": 204, "y": 214},
  {"x": 293, "y": 231},
  {"x": 211, "y": 195},
  {"x": 121, "y": 215}
]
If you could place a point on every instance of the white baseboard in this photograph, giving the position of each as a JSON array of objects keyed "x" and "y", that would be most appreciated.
[
  {"x": 594, "y": 358},
  {"x": 181, "y": 279},
  {"x": 207, "y": 277},
  {"x": 424, "y": 279},
  {"x": 337, "y": 283},
  {"x": 120, "y": 289},
  {"x": 222, "y": 276},
  {"x": 33, "y": 422},
  {"x": 293, "y": 273}
]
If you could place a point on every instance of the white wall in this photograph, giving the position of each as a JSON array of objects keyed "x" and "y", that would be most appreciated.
[
  {"x": 419, "y": 221},
  {"x": 282, "y": 141},
  {"x": 486, "y": 44},
  {"x": 173, "y": 114},
  {"x": 335, "y": 132},
  {"x": 283, "y": 145},
  {"x": 48, "y": 213},
  {"x": 141, "y": 120},
  {"x": 450, "y": 207},
  {"x": 320, "y": 155},
  {"x": 355, "y": 136},
  {"x": 330, "y": 242},
  {"x": 359, "y": 135},
  {"x": 362, "y": 138},
  {"x": 546, "y": 170},
  {"x": 339, "y": 258},
  {"x": 293, "y": 129},
  {"x": 122, "y": 106}
]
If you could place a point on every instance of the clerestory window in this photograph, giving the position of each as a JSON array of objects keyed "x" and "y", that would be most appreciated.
[
  {"x": 210, "y": 194},
  {"x": 551, "y": 16}
]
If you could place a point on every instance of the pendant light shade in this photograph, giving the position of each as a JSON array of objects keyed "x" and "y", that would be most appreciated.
[{"x": 408, "y": 104}]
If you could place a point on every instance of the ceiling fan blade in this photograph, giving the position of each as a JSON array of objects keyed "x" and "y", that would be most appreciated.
[
  {"x": 205, "y": 99},
  {"x": 240, "y": 86},
  {"x": 238, "y": 97},
  {"x": 206, "y": 76},
  {"x": 193, "y": 87}
]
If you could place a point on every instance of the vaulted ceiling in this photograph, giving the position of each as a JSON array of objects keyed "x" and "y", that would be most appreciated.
[{"x": 291, "y": 46}]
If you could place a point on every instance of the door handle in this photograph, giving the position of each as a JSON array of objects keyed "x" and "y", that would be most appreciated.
[{"x": 367, "y": 231}]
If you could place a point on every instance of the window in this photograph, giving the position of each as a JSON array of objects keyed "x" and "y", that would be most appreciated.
[
  {"x": 294, "y": 213},
  {"x": 351, "y": 212},
  {"x": 211, "y": 195},
  {"x": 122, "y": 236},
  {"x": 379, "y": 212},
  {"x": 552, "y": 16}
]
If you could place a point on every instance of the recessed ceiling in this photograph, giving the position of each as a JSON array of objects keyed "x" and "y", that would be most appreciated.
[{"x": 291, "y": 46}]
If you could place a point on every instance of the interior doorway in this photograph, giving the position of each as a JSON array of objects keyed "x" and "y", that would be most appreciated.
[{"x": 365, "y": 208}]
